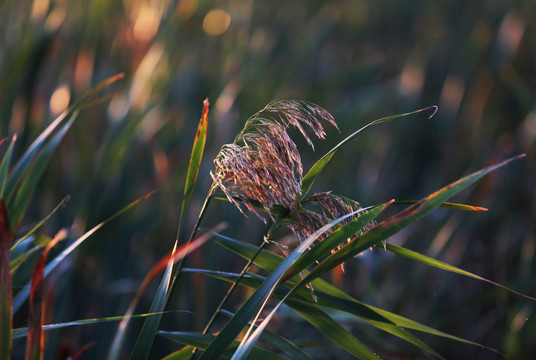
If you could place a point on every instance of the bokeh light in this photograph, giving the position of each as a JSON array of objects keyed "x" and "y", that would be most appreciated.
[
  {"x": 60, "y": 99},
  {"x": 216, "y": 22}
]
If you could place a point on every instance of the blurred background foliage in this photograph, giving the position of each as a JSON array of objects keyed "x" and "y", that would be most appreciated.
[{"x": 358, "y": 59}]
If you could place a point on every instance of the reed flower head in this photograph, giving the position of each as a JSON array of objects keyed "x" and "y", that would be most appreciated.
[
  {"x": 262, "y": 168},
  {"x": 263, "y": 164}
]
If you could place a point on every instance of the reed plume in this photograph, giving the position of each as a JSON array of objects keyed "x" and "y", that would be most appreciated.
[{"x": 263, "y": 168}]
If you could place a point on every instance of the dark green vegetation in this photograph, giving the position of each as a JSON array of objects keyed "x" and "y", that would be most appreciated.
[{"x": 360, "y": 60}]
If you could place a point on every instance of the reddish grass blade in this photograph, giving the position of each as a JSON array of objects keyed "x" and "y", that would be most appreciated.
[
  {"x": 23, "y": 294},
  {"x": 171, "y": 258},
  {"x": 6, "y": 313},
  {"x": 35, "y": 342},
  {"x": 448, "y": 205},
  {"x": 399, "y": 221},
  {"x": 82, "y": 350},
  {"x": 195, "y": 162}
]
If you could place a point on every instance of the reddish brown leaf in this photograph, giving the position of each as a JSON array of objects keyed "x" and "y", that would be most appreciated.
[
  {"x": 35, "y": 339},
  {"x": 6, "y": 313}
]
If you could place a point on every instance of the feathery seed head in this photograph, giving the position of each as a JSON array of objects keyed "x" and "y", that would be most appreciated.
[
  {"x": 263, "y": 163},
  {"x": 305, "y": 223}
]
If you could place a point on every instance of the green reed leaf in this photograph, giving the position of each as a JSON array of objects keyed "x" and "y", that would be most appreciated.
[
  {"x": 195, "y": 163},
  {"x": 201, "y": 341},
  {"x": 22, "y": 295},
  {"x": 315, "y": 170},
  {"x": 259, "y": 298},
  {"x": 4, "y": 165}
]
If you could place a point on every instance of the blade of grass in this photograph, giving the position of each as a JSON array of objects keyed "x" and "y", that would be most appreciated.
[
  {"x": 183, "y": 354},
  {"x": 394, "y": 224},
  {"x": 278, "y": 341},
  {"x": 29, "y": 183},
  {"x": 22, "y": 295},
  {"x": 195, "y": 162},
  {"x": 36, "y": 340},
  {"x": 29, "y": 156},
  {"x": 4, "y": 166},
  {"x": 184, "y": 250},
  {"x": 258, "y": 300},
  {"x": 319, "y": 319},
  {"x": 201, "y": 341},
  {"x": 23, "y": 332},
  {"x": 330, "y": 296},
  {"x": 6, "y": 311},
  {"x": 17, "y": 261},
  {"x": 39, "y": 224},
  {"x": 333, "y": 298},
  {"x": 444, "y": 266},
  {"x": 449, "y": 205},
  {"x": 222, "y": 303},
  {"x": 312, "y": 174},
  {"x": 150, "y": 326}
]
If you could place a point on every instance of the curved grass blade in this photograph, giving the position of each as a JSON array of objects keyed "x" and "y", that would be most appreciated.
[
  {"x": 23, "y": 332},
  {"x": 29, "y": 182},
  {"x": 183, "y": 354},
  {"x": 195, "y": 162},
  {"x": 39, "y": 224},
  {"x": 6, "y": 310},
  {"x": 146, "y": 337},
  {"x": 36, "y": 340},
  {"x": 31, "y": 154},
  {"x": 331, "y": 328},
  {"x": 331, "y": 297},
  {"x": 394, "y": 224},
  {"x": 387, "y": 321},
  {"x": 22, "y": 295},
  {"x": 444, "y": 266},
  {"x": 20, "y": 259},
  {"x": 257, "y": 301},
  {"x": 319, "y": 319},
  {"x": 278, "y": 341},
  {"x": 35, "y": 148},
  {"x": 312, "y": 174},
  {"x": 4, "y": 166},
  {"x": 175, "y": 256},
  {"x": 201, "y": 341},
  {"x": 312, "y": 313},
  {"x": 448, "y": 205}
]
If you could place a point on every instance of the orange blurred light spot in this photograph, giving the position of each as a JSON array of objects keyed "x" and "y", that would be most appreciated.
[
  {"x": 60, "y": 99},
  {"x": 452, "y": 93},
  {"x": 412, "y": 79},
  {"x": 83, "y": 70},
  {"x": 186, "y": 8},
  {"x": 146, "y": 24},
  {"x": 216, "y": 22},
  {"x": 39, "y": 9}
]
